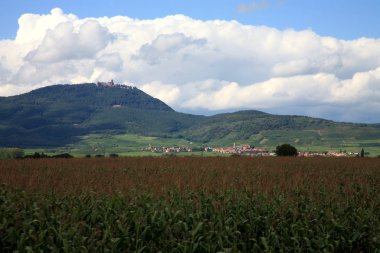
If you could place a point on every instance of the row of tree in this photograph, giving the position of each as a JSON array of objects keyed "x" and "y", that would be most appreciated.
[
  {"x": 37, "y": 155},
  {"x": 17, "y": 153},
  {"x": 289, "y": 150}
]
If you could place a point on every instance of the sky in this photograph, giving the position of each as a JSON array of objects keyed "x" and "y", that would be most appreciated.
[{"x": 314, "y": 58}]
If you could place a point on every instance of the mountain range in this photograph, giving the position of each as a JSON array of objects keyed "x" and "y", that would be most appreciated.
[{"x": 58, "y": 115}]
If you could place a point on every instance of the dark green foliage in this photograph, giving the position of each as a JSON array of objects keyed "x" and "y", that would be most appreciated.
[
  {"x": 362, "y": 153},
  {"x": 37, "y": 155},
  {"x": 114, "y": 155},
  {"x": 188, "y": 222},
  {"x": 64, "y": 155},
  {"x": 286, "y": 150}
]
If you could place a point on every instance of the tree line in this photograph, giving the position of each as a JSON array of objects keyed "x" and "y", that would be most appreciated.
[{"x": 18, "y": 153}]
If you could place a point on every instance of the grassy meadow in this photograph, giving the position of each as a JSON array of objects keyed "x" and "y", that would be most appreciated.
[{"x": 190, "y": 204}]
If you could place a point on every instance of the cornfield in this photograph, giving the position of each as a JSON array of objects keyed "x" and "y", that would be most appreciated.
[{"x": 190, "y": 204}]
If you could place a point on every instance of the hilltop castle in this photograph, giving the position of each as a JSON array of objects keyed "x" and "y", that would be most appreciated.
[
  {"x": 112, "y": 84},
  {"x": 109, "y": 84}
]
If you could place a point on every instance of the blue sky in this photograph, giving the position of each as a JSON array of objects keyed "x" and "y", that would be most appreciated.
[
  {"x": 343, "y": 19},
  {"x": 316, "y": 58}
]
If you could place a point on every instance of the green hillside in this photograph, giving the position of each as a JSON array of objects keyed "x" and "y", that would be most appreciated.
[
  {"x": 266, "y": 130},
  {"x": 242, "y": 125},
  {"x": 57, "y": 115},
  {"x": 63, "y": 115}
]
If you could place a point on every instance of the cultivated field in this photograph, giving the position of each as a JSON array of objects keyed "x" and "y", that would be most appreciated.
[{"x": 190, "y": 204}]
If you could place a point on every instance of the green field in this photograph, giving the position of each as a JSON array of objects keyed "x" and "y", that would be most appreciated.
[
  {"x": 126, "y": 144},
  {"x": 305, "y": 140},
  {"x": 190, "y": 204}
]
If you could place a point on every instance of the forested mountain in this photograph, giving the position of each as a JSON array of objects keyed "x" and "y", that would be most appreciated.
[{"x": 58, "y": 115}]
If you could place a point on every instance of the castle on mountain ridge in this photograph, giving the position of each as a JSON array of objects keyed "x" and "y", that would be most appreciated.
[
  {"x": 108, "y": 84},
  {"x": 112, "y": 84}
]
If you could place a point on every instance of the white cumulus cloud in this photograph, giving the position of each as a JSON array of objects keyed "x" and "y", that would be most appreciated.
[
  {"x": 63, "y": 43},
  {"x": 199, "y": 66}
]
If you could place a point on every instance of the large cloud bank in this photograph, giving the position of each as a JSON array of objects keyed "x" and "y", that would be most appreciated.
[{"x": 198, "y": 65}]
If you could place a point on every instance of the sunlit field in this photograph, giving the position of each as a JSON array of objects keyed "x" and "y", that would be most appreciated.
[{"x": 190, "y": 204}]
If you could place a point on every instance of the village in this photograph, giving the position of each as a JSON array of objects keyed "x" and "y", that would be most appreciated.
[{"x": 245, "y": 149}]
